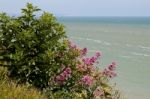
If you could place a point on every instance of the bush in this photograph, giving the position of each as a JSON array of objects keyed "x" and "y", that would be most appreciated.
[
  {"x": 38, "y": 52},
  {"x": 81, "y": 78},
  {"x": 29, "y": 44}
]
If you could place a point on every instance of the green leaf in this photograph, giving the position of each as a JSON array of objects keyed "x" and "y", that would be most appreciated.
[{"x": 13, "y": 40}]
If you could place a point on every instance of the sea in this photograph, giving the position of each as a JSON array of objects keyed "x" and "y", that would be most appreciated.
[{"x": 125, "y": 40}]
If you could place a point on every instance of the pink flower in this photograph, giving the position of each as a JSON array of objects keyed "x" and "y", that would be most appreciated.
[
  {"x": 68, "y": 70},
  {"x": 60, "y": 79},
  {"x": 84, "y": 51},
  {"x": 89, "y": 61},
  {"x": 87, "y": 80},
  {"x": 97, "y": 54},
  {"x": 109, "y": 73},
  {"x": 93, "y": 59},
  {"x": 63, "y": 76},
  {"x": 112, "y": 66},
  {"x": 113, "y": 74},
  {"x": 86, "y": 61},
  {"x": 110, "y": 70}
]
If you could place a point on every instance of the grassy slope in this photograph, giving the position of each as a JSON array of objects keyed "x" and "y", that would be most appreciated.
[{"x": 10, "y": 90}]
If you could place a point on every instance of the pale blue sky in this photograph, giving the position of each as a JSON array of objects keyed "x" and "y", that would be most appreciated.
[{"x": 83, "y": 7}]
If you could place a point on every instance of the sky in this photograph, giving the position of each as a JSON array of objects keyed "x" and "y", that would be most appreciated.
[{"x": 82, "y": 7}]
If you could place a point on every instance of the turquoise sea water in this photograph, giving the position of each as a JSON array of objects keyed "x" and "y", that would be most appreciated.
[{"x": 125, "y": 40}]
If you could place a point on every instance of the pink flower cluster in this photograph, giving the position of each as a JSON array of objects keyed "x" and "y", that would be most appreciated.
[
  {"x": 84, "y": 51},
  {"x": 64, "y": 75},
  {"x": 87, "y": 80},
  {"x": 110, "y": 70},
  {"x": 112, "y": 66},
  {"x": 92, "y": 60},
  {"x": 87, "y": 63}
]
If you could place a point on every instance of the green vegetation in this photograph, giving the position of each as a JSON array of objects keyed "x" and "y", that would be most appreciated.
[
  {"x": 29, "y": 45},
  {"x": 39, "y": 56},
  {"x": 10, "y": 90}
]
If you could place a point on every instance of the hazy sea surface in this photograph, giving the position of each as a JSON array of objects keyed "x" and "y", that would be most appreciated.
[{"x": 125, "y": 40}]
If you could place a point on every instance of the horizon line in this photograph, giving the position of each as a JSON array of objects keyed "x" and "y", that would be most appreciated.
[{"x": 56, "y": 15}]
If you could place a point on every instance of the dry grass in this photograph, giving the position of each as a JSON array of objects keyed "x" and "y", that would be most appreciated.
[{"x": 10, "y": 90}]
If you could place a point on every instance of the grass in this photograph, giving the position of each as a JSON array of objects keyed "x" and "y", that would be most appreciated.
[{"x": 10, "y": 90}]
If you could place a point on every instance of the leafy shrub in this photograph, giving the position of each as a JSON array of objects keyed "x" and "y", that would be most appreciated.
[
  {"x": 29, "y": 44},
  {"x": 81, "y": 78}
]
